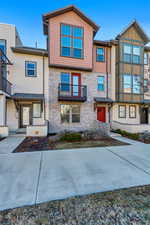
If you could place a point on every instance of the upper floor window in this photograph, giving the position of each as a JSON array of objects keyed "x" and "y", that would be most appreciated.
[
  {"x": 65, "y": 81},
  {"x": 145, "y": 58},
  {"x": 3, "y": 45},
  {"x": 131, "y": 53},
  {"x": 100, "y": 55},
  {"x": 101, "y": 80},
  {"x": 136, "y": 54},
  {"x": 131, "y": 83},
  {"x": 71, "y": 41},
  {"x": 31, "y": 69}
]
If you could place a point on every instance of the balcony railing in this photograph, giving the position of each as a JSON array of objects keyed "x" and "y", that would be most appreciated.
[
  {"x": 69, "y": 92},
  {"x": 5, "y": 86}
]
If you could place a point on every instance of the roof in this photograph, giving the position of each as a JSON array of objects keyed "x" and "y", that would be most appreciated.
[
  {"x": 105, "y": 43},
  {"x": 69, "y": 8},
  {"x": 138, "y": 28},
  {"x": 103, "y": 100},
  {"x": 30, "y": 50},
  {"x": 25, "y": 96}
]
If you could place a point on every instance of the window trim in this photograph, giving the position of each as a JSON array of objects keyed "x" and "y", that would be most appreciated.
[
  {"x": 97, "y": 55},
  {"x": 33, "y": 110},
  {"x": 130, "y": 111},
  {"x": 145, "y": 53},
  {"x": 103, "y": 83},
  {"x": 72, "y": 37},
  {"x": 119, "y": 111},
  {"x": 70, "y": 114},
  {"x": 26, "y": 62}
]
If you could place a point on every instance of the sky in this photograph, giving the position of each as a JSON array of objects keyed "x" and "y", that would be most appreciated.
[{"x": 112, "y": 16}]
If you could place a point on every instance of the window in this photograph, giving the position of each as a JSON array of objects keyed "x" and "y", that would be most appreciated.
[
  {"x": 132, "y": 111},
  {"x": 71, "y": 41},
  {"x": 145, "y": 58},
  {"x": 127, "y": 53},
  {"x": 145, "y": 85},
  {"x": 31, "y": 69},
  {"x": 36, "y": 110},
  {"x": 70, "y": 113},
  {"x": 100, "y": 57},
  {"x": 65, "y": 81},
  {"x": 3, "y": 45},
  {"x": 131, "y": 53},
  {"x": 122, "y": 111},
  {"x": 136, "y": 54},
  {"x": 101, "y": 83},
  {"x": 136, "y": 84},
  {"x": 127, "y": 83}
]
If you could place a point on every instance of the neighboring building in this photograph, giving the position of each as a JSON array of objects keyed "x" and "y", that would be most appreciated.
[{"x": 76, "y": 80}]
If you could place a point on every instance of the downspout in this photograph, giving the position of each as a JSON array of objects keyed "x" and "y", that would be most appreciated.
[{"x": 44, "y": 87}]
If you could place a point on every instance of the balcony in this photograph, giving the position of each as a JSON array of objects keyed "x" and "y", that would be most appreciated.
[
  {"x": 68, "y": 92},
  {"x": 5, "y": 86}
]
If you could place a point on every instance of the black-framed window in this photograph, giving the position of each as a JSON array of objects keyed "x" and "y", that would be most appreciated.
[
  {"x": 132, "y": 111},
  {"x": 30, "y": 69},
  {"x": 100, "y": 54},
  {"x": 122, "y": 111},
  {"x": 146, "y": 85},
  {"x": 65, "y": 81},
  {"x": 101, "y": 83},
  {"x": 145, "y": 58},
  {"x": 127, "y": 83},
  {"x": 131, "y": 53},
  {"x": 37, "y": 110},
  {"x": 70, "y": 113},
  {"x": 3, "y": 45},
  {"x": 72, "y": 41}
]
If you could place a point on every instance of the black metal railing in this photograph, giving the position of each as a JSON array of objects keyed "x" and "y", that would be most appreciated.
[
  {"x": 5, "y": 86},
  {"x": 72, "y": 92}
]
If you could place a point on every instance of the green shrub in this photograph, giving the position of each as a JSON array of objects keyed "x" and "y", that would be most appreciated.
[
  {"x": 124, "y": 133},
  {"x": 73, "y": 136}
]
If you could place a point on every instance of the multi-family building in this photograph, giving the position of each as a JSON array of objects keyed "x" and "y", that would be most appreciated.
[{"x": 76, "y": 80}]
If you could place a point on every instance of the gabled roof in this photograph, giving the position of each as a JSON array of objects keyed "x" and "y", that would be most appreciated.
[
  {"x": 69, "y": 8},
  {"x": 139, "y": 30}
]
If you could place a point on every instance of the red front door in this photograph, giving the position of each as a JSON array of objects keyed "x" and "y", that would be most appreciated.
[
  {"x": 76, "y": 84},
  {"x": 101, "y": 114}
]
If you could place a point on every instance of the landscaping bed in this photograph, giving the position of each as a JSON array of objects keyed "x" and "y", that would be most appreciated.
[
  {"x": 31, "y": 144},
  {"x": 123, "y": 207}
]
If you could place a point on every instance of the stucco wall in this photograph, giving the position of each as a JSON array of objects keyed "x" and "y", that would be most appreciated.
[{"x": 54, "y": 36}]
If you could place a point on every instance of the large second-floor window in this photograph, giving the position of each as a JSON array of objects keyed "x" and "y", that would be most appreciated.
[
  {"x": 132, "y": 83},
  {"x": 31, "y": 69},
  {"x": 65, "y": 81},
  {"x": 131, "y": 53},
  {"x": 3, "y": 45},
  {"x": 145, "y": 58},
  {"x": 71, "y": 41}
]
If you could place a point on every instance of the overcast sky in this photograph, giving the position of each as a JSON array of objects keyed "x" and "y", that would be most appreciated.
[{"x": 112, "y": 16}]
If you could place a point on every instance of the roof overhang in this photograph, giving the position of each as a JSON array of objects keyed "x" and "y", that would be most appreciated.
[
  {"x": 103, "y": 100},
  {"x": 26, "y": 96},
  {"x": 30, "y": 51},
  {"x": 69, "y": 8}
]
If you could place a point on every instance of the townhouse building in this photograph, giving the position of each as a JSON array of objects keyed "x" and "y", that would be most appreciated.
[{"x": 76, "y": 80}]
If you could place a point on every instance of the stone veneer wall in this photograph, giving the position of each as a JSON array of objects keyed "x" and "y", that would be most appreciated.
[{"x": 87, "y": 113}]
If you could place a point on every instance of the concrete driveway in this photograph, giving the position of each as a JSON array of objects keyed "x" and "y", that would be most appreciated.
[{"x": 30, "y": 178}]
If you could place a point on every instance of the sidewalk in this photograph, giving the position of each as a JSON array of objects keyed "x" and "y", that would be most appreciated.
[
  {"x": 31, "y": 178},
  {"x": 9, "y": 144}
]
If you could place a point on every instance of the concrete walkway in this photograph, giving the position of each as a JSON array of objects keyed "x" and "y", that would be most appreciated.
[
  {"x": 31, "y": 178},
  {"x": 10, "y": 143}
]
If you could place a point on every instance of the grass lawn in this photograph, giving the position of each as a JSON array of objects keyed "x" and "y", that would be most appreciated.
[
  {"x": 123, "y": 207},
  {"x": 45, "y": 143}
]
